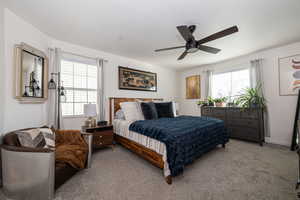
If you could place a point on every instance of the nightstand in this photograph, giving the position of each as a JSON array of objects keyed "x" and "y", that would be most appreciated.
[{"x": 103, "y": 136}]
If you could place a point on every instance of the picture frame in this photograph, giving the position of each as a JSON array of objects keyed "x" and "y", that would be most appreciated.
[
  {"x": 30, "y": 74},
  {"x": 193, "y": 87},
  {"x": 289, "y": 75},
  {"x": 133, "y": 79}
]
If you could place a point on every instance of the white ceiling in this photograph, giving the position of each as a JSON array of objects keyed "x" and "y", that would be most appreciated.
[{"x": 134, "y": 28}]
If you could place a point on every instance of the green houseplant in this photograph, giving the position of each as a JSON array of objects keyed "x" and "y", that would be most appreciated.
[
  {"x": 210, "y": 101},
  {"x": 202, "y": 103},
  {"x": 219, "y": 102},
  {"x": 251, "y": 98},
  {"x": 207, "y": 102}
]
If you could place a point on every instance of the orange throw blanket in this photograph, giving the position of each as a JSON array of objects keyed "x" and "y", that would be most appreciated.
[{"x": 70, "y": 148}]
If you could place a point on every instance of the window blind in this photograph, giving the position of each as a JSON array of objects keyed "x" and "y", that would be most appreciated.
[{"x": 80, "y": 82}]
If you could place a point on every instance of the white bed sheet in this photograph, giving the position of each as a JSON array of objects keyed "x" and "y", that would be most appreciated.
[{"x": 121, "y": 127}]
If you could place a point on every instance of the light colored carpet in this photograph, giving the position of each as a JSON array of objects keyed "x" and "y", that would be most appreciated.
[{"x": 242, "y": 171}]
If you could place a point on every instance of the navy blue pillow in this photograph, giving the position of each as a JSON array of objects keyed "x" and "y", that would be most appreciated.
[
  {"x": 149, "y": 110},
  {"x": 164, "y": 109}
]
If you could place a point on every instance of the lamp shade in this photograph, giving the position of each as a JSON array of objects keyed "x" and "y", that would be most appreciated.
[{"x": 90, "y": 110}]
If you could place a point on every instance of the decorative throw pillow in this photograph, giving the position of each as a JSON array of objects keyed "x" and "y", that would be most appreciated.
[
  {"x": 164, "y": 109},
  {"x": 49, "y": 137},
  {"x": 120, "y": 115},
  {"x": 132, "y": 111},
  {"x": 149, "y": 110},
  {"x": 31, "y": 138}
]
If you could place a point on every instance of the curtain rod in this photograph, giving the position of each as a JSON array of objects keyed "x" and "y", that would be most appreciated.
[{"x": 74, "y": 54}]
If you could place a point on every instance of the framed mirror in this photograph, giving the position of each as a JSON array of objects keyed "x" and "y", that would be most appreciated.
[{"x": 31, "y": 74}]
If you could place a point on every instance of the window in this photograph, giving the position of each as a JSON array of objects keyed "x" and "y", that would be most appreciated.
[
  {"x": 230, "y": 84},
  {"x": 80, "y": 82}
]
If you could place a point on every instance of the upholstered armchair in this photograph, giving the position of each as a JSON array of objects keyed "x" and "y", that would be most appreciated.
[{"x": 33, "y": 173}]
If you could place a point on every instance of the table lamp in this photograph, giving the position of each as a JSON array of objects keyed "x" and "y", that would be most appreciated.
[{"x": 90, "y": 112}]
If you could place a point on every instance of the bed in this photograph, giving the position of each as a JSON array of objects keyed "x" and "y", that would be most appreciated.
[{"x": 138, "y": 138}]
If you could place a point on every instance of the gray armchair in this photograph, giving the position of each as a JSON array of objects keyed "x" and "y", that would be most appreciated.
[{"x": 31, "y": 173}]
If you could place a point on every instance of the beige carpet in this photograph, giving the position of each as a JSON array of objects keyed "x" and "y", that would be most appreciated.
[{"x": 242, "y": 171}]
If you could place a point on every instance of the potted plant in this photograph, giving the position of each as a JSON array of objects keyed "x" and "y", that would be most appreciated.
[
  {"x": 251, "y": 98},
  {"x": 210, "y": 101},
  {"x": 202, "y": 103},
  {"x": 220, "y": 102}
]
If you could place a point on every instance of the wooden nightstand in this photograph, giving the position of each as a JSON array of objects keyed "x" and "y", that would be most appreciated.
[{"x": 103, "y": 136}]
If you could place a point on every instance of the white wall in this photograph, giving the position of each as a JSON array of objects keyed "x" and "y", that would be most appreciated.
[
  {"x": 165, "y": 83},
  {"x": 281, "y": 108},
  {"x": 18, "y": 115},
  {"x": 1, "y": 64}
]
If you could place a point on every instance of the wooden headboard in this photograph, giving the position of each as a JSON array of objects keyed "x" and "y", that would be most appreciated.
[{"x": 114, "y": 104}]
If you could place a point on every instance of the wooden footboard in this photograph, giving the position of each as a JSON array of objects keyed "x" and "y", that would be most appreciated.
[{"x": 148, "y": 154}]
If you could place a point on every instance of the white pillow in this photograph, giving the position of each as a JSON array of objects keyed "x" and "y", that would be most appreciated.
[
  {"x": 120, "y": 115},
  {"x": 132, "y": 111},
  {"x": 174, "y": 108}
]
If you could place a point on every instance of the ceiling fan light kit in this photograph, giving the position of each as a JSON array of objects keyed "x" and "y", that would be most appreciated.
[{"x": 192, "y": 45}]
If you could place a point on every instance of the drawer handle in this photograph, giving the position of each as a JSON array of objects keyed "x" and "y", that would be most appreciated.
[
  {"x": 100, "y": 142},
  {"x": 100, "y": 136}
]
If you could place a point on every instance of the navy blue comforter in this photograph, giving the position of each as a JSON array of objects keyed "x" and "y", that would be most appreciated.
[{"x": 186, "y": 137}]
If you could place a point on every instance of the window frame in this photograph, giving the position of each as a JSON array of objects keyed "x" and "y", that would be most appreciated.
[
  {"x": 79, "y": 89},
  {"x": 231, "y": 71}
]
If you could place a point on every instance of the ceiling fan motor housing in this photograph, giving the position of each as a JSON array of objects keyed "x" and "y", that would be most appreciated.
[{"x": 191, "y": 46}]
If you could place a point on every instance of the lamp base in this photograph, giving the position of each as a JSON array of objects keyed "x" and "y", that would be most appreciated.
[{"x": 90, "y": 122}]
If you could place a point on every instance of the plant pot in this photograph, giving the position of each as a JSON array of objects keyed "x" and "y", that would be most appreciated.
[{"x": 221, "y": 104}]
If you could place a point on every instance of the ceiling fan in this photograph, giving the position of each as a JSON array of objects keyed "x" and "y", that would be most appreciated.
[{"x": 192, "y": 45}]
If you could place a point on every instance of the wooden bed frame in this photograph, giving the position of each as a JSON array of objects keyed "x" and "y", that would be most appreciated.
[{"x": 148, "y": 154}]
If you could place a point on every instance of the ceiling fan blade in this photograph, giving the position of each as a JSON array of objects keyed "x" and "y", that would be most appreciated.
[
  {"x": 166, "y": 49},
  {"x": 220, "y": 34},
  {"x": 182, "y": 55},
  {"x": 185, "y": 33},
  {"x": 208, "y": 49}
]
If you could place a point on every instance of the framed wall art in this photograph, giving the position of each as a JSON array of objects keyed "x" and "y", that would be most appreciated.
[
  {"x": 31, "y": 74},
  {"x": 289, "y": 75},
  {"x": 193, "y": 89},
  {"x": 132, "y": 79}
]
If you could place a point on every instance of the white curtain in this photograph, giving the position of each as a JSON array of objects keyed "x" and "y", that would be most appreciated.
[
  {"x": 256, "y": 73},
  {"x": 101, "y": 97},
  {"x": 256, "y": 78},
  {"x": 208, "y": 83},
  {"x": 54, "y": 67}
]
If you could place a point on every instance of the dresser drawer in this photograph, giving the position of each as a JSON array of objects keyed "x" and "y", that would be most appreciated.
[
  {"x": 205, "y": 111},
  {"x": 251, "y": 123},
  {"x": 249, "y": 114},
  {"x": 250, "y": 134},
  {"x": 103, "y": 138},
  {"x": 234, "y": 113},
  {"x": 218, "y": 112}
]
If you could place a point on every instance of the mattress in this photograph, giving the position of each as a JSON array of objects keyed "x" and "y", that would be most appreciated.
[{"x": 121, "y": 127}]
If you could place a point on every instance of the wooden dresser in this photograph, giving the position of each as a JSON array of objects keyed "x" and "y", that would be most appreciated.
[{"x": 244, "y": 124}]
